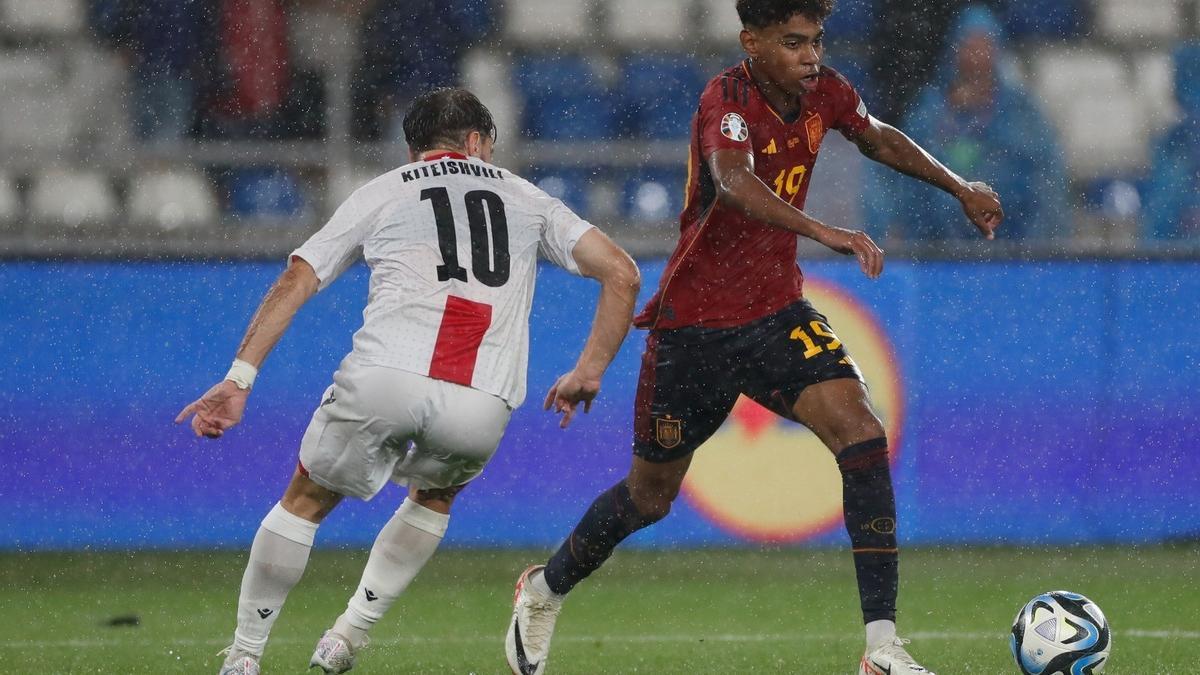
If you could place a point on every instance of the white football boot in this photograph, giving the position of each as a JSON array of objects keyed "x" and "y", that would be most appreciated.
[
  {"x": 238, "y": 662},
  {"x": 528, "y": 641},
  {"x": 334, "y": 653},
  {"x": 890, "y": 658}
]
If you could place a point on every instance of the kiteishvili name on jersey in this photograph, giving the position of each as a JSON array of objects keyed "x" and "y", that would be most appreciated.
[{"x": 449, "y": 167}]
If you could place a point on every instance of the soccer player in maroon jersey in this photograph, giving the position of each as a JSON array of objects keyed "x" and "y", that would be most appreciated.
[{"x": 728, "y": 302}]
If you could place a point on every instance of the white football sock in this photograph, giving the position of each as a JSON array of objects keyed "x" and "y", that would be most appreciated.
[
  {"x": 277, "y": 560},
  {"x": 402, "y": 548},
  {"x": 537, "y": 583},
  {"x": 880, "y": 632}
]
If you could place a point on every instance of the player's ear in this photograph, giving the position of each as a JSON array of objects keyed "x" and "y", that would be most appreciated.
[
  {"x": 474, "y": 144},
  {"x": 749, "y": 43}
]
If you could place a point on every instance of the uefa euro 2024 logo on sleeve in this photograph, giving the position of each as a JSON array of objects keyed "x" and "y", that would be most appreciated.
[
  {"x": 734, "y": 127},
  {"x": 763, "y": 478}
]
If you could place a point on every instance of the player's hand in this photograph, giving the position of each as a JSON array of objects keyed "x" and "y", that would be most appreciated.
[
  {"x": 217, "y": 410},
  {"x": 856, "y": 243},
  {"x": 982, "y": 206},
  {"x": 568, "y": 392}
]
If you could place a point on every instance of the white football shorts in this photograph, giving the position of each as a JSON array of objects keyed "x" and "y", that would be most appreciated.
[{"x": 376, "y": 423}]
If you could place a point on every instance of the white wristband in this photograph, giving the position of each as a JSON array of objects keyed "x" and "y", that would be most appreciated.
[{"x": 242, "y": 374}]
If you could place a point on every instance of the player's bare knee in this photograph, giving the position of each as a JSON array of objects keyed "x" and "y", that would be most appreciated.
[
  {"x": 308, "y": 500},
  {"x": 653, "y": 497}
]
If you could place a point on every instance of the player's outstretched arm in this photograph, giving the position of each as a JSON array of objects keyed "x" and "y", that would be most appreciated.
[
  {"x": 890, "y": 146},
  {"x": 600, "y": 259},
  {"x": 739, "y": 187},
  {"x": 222, "y": 405}
]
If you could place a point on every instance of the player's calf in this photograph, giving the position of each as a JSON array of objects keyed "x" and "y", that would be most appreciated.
[
  {"x": 870, "y": 512},
  {"x": 610, "y": 519}
]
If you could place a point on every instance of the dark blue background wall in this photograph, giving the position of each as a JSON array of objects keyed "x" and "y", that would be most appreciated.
[{"x": 1044, "y": 403}]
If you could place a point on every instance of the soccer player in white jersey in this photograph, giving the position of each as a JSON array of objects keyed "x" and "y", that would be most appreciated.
[{"x": 436, "y": 369}]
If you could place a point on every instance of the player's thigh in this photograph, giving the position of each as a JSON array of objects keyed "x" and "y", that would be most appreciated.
[
  {"x": 801, "y": 370},
  {"x": 839, "y": 412},
  {"x": 684, "y": 395},
  {"x": 362, "y": 428},
  {"x": 458, "y": 439}
]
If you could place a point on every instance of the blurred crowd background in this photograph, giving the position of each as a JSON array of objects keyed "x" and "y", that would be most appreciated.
[{"x": 233, "y": 127}]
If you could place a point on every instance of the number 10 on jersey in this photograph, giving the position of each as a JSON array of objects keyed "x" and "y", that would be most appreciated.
[{"x": 488, "y": 224}]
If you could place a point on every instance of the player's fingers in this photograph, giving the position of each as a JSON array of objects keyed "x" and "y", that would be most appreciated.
[
  {"x": 587, "y": 405},
  {"x": 568, "y": 413},
  {"x": 550, "y": 396},
  {"x": 183, "y": 414}
]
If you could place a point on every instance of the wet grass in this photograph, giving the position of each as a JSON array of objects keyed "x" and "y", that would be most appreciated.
[{"x": 694, "y": 611}]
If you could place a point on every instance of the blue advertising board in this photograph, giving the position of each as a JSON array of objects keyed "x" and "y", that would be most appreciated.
[{"x": 1027, "y": 403}]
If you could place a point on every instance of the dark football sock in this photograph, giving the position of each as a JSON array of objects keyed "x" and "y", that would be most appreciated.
[
  {"x": 611, "y": 518},
  {"x": 870, "y": 510}
]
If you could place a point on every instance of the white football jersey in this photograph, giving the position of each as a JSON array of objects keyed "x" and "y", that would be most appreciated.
[{"x": 452, "y": 245}]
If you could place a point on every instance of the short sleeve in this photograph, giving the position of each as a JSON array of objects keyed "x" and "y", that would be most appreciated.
[
  {"x": 563, "y": 230},
  {"x": 850, "y": 113},
  {"x": 337, "y": 245},
  {"x": 721, "y": 118}
]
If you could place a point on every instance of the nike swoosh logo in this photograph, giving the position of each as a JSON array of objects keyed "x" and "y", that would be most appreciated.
[
  {"x": 371, "y": 597},
  {"x": 264, "y": 613},
  {"x": 523, "y": 662}
]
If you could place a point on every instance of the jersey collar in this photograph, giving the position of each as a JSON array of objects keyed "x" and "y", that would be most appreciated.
[{"x": 444, "y": 155}]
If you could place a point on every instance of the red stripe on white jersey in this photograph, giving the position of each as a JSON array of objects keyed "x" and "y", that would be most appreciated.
[{"x": 464, "y": 324}]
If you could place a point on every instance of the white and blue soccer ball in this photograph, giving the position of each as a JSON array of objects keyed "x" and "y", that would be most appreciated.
[{"x": 1061, "y": 633}]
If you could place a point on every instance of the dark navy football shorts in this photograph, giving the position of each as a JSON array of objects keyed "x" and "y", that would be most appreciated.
[{"x": 691, "y": 376}]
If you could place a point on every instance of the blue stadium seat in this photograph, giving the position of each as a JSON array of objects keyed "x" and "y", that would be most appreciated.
[
  {"x": 851, "y": 21},
  {"x": 568, "y": 184},
  {"x": 265, "y": 194},
  {"x": 661, "y": 94},
  {"x": 1060, "y": 19},
  {"x": 654, "y": 196},
  {"x": 564, "y": 99}
]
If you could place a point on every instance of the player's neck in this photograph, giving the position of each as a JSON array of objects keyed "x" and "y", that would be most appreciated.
[{"x": 780, "y": 99}]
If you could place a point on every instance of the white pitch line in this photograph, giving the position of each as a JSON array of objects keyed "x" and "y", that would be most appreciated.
[{"x": 641, "y": 639}]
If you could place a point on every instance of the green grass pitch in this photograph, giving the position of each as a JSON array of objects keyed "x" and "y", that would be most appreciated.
[{"x": 692, "y": 611}]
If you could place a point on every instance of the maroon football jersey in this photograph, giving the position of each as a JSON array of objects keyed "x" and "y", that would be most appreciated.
[{"x": 729, "y": 269}]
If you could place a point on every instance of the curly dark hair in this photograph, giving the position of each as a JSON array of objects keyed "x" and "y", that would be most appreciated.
[
  {"x": 763, "y": 13},
  {"x": 444, "y": 117}
]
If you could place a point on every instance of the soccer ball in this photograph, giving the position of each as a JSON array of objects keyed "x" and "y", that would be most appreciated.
[{"x": 1060, "y": 633}]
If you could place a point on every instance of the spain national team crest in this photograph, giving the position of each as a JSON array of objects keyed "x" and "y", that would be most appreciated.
[
  {"x": 668, "y": 432},
  {"x": 816, "y": 132},
  {"x": 734, "y": 127}
]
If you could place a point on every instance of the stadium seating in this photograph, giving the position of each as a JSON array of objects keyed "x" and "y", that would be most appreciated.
[
  {"x": 35, "y": 112},
  {"x": 565, "y": 98},
  {"x": 1054, "y": 20},
  {"x": 719, "y": 20},
  {"x": 568, "y": 184},
  {"x": 172, "y": 199},
  {"x": 852, "y": 21},
  {"x": 73, "y": 198},
  {"x": 1154, "y": 78},
  {"x": 1090, "y": 96},
  {"x": 539, "y": 21},
  {"x": 661, "y": 94},
  {"x": 654, "y": 196},
  {"x": 42, "y": 17},
  {"x": 1137, "y": 21},
  {"x": 646, "y": 24},
  {"x": 266, "y": 195},
  {"x": 10, "y": 200}
]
